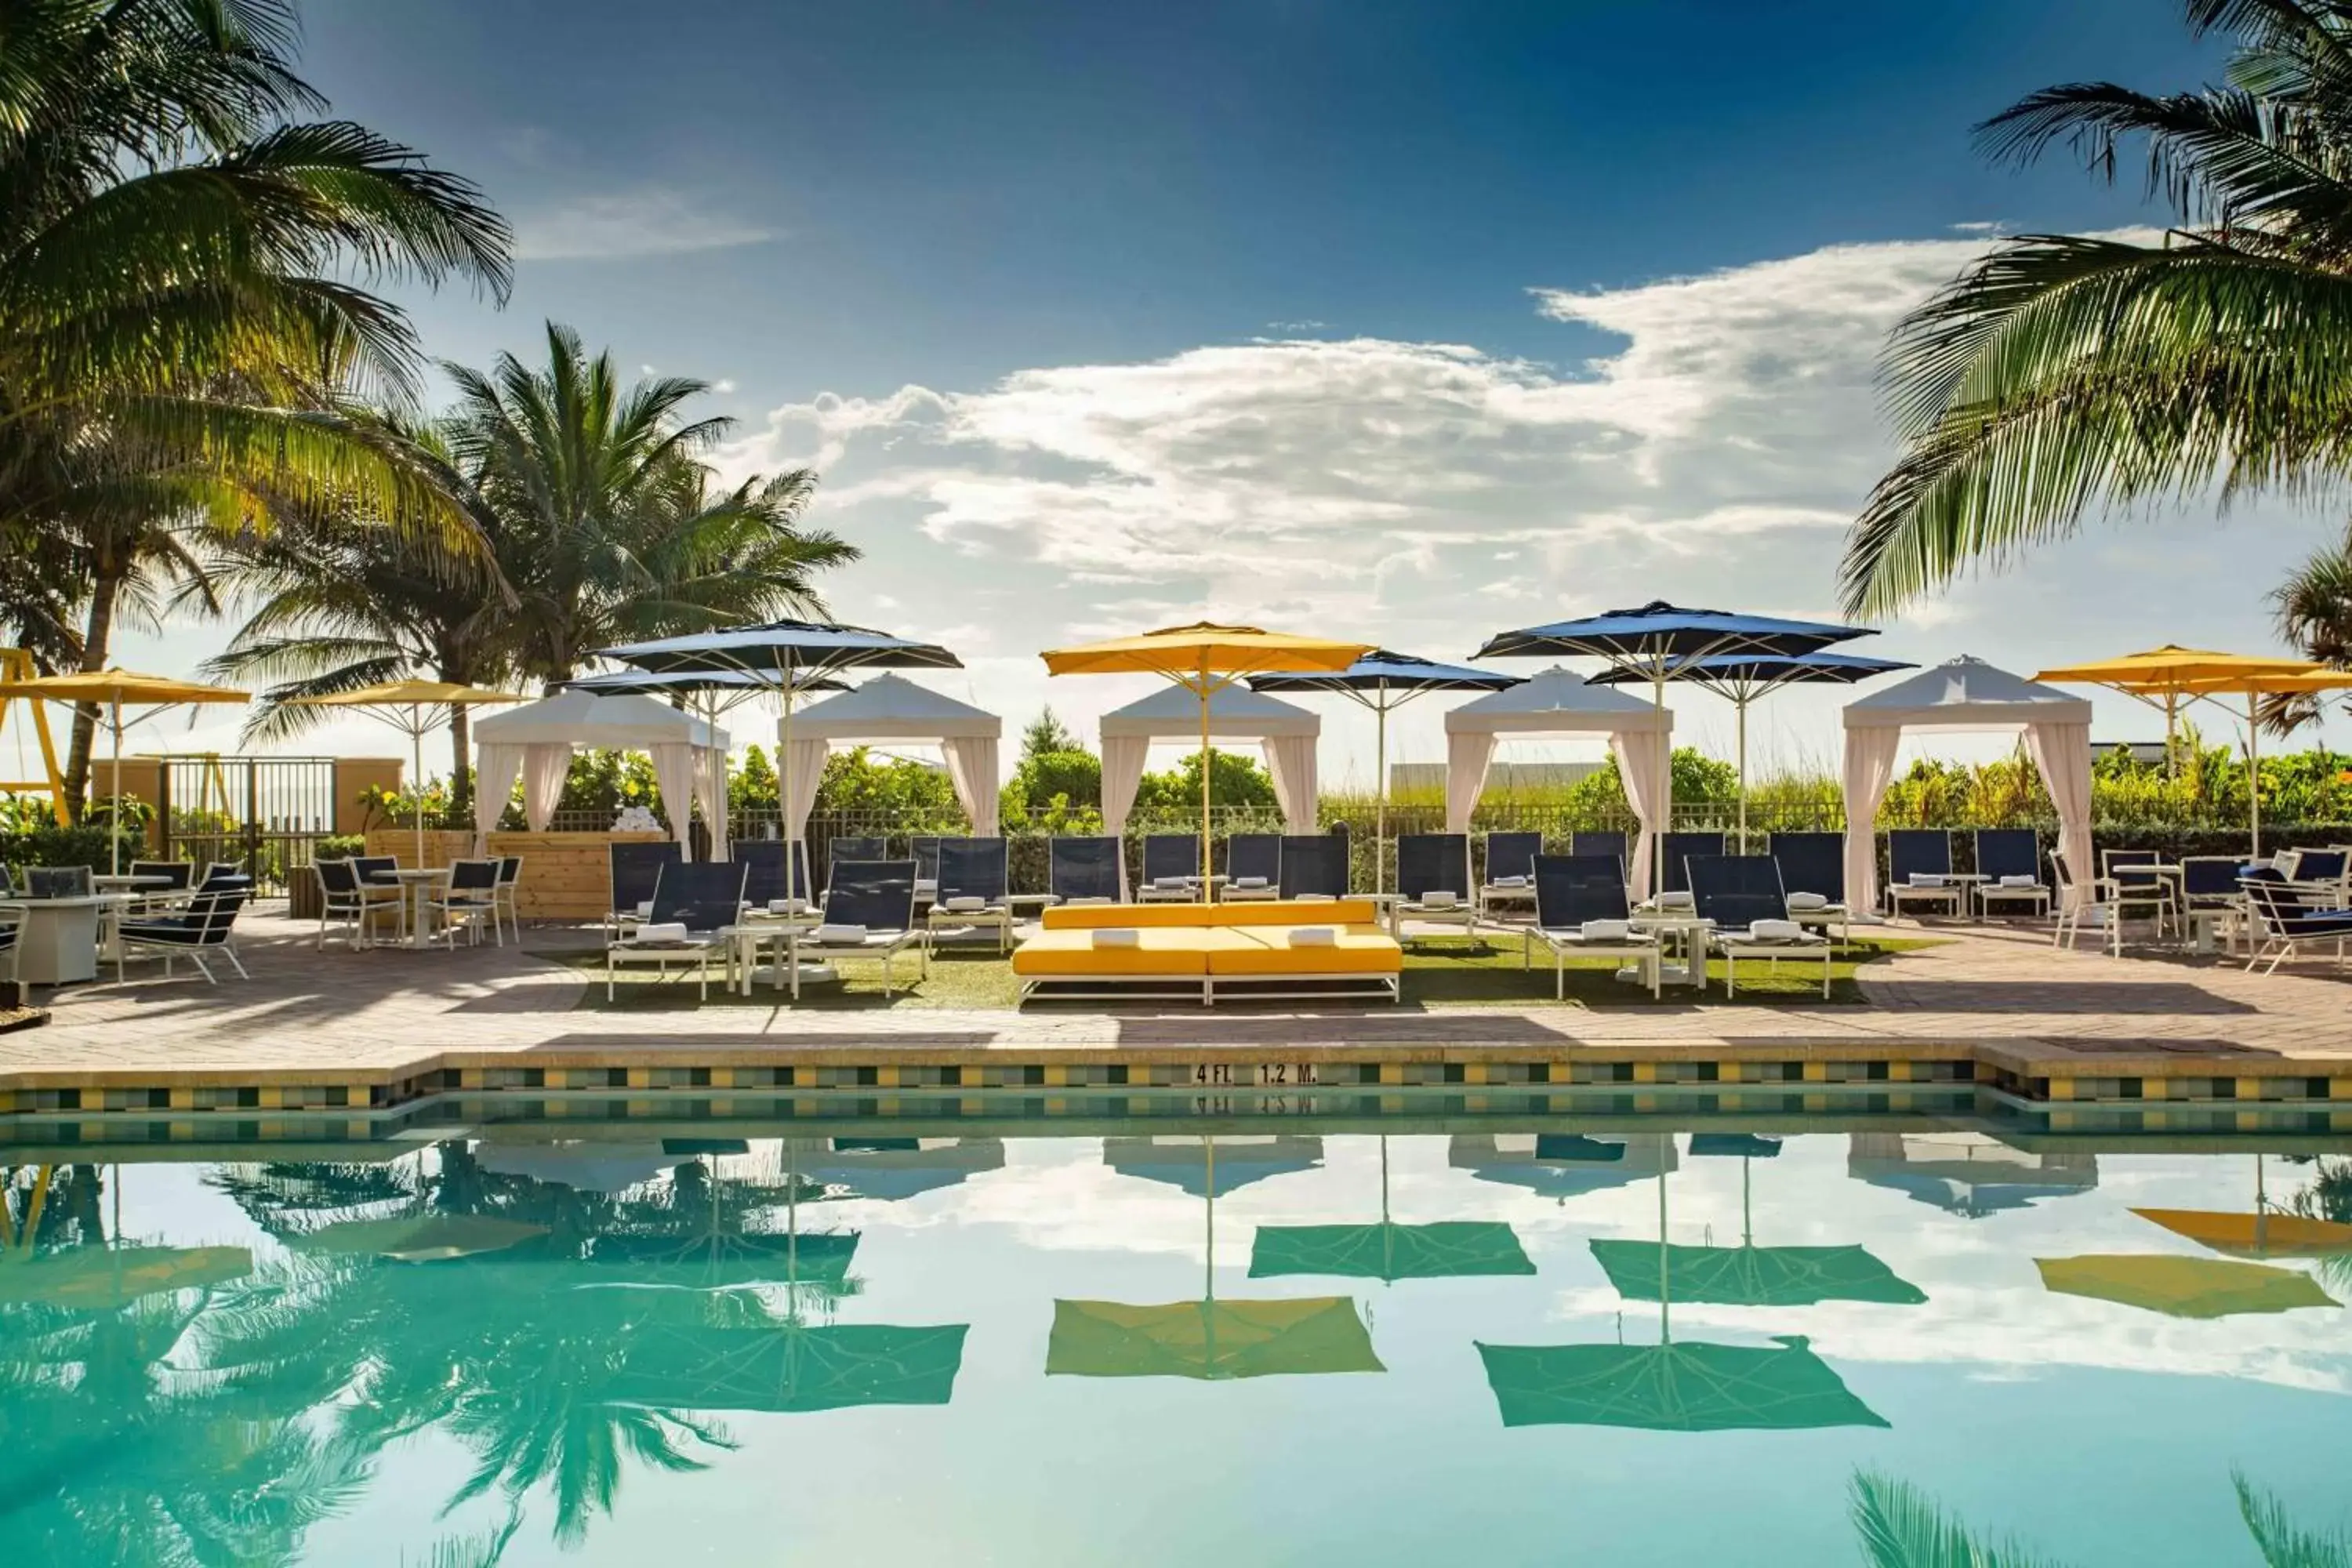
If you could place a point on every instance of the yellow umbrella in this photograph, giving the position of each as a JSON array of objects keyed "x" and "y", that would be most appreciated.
[
  {"x": 115, "y": 687},
  {"x": 1209, "y": 1340},
  {"x": 1203, "y": 658},
  {"x": 2183, "y": 1287},
  {"x": 414, "y": 707},
  {"x": 2266, "y": 1232},
  {"x": 2168, "y": 676}
]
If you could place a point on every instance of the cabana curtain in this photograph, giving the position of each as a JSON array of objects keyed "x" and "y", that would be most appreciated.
[
  {"x": 535, "y": 741},
  {"x": 496, "y": 768},
  {"x": 891, "y": 709},
  {"x": 544, "y": 769},
  {"x": 1560, "y": 702},
  {"x": 1286, "y": 734}
]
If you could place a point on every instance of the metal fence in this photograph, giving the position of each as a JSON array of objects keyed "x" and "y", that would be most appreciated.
[{"x": 266, "y": 815}]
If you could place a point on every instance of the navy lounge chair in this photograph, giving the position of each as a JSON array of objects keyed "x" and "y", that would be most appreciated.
[
  {"x": 1919, "y": 871},
  {"x": 1314, "y": 866},
  {"x": 1743, "y": 896},
  {"x": 693, "y": 902},
  {"x": 1083, "y": 870},
  {"x": 1172, "y": 869},
  {"x": 1434, "y": 882},
  {"x": 2010, "y": 861},
  {"x": 974, "y": 888},
  {"x": 1253, "y": 866},
  {"x": 1582, "y": 911},
  {"x": 1510, "y": 875}
]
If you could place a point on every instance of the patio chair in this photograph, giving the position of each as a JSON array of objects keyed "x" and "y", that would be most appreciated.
[
  {"x": 2280, "y": 924},
  {"x": 1253, "y": 867},
  {"x": 179, "y": 876},
  {"x": 1433, "y": 882},
  {"x": 467, "y": 899},
  {"x": 693, "y": 902},
  {"x": 636, "y": 869},
  {"x": 1676, "y": 850},
  {"x": 510, "y": 893},
  {"x": 1172, "y": 869},
  {"x": 1743, "y": 896},
  {"x": 1581, "y": 911},
  {"x": 1083, "y": 870},
  {"x": 1812, "y": 876},
  {"x": 10, "y": 928},
  {"x": 1584, "y": 846},
  {"x": 342, "y": 902},
  {"x": 925, "y": 846},
  {"x": 2010, "y": 861},
  {"x": 1919, "y": 871},
  {"x": 869, "y": 912},
  {"x": 1510, "y": 878},
  {"x": 843, "y": 847},
  {"x": 2214, "y": 901},
  {"x": 975, "y": 890},
  {"x": 765, "y": 884},
  {"x": 2318, "y": 876},
  {"x": 206, "y": 926},
  {"x": 2103, "y": 904},
  {"x": 1314, "y": 866},
  {"x": 58, "y": 881}
]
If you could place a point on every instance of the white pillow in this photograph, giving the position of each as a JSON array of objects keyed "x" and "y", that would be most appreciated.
[
  {"x": 1927, "y": 878},
  {"x": 1508, "y": 882},
  {"x": 788, "y": 906},
  {"x": 668, "y": 930},
  {"x": 1608, "y": 931},
  {"x": 964, "y": 905},
  {"x": 1249, "y": 881},
  {"x": 1683, "y": 899},
  {"x": 1434, "y": 900},
  {"x": 1776, "y": 931},
  {"x": 1314, "y": 936},
  {"x": 1118, "y": 936},
  {"x": 1808, "y": 902},
  {"x": 1171, "y": 881},
  {"x": 2026, "y": 881},
  {"x": 846, "y": 935}
]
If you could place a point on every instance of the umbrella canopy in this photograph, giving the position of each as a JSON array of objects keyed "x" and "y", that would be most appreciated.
[
  {"x": 787, "y": 658},
  {"x": 1651, "y": 641},
  {"x": 1204, "y": 1167},
  {"x": 1750, "y": 1276},
  {"x": 1672, "y": 1387},
  {"x": 725, "y": 687},
  {"x": 1560, "y": 1165},
  {"x": 421, "y": 1237},
  {"x": 114, "y": 690},
  {"x": 788, "y": 1369},
  {"x": 1741, "y": 678},
  {"x": 2266, "y": 1233},
  {"x": 1968, "y": 1173},
  {"x": 2182, "y": 1286},
  {"x": 1209, "y": 1340},
  {"x": 1384, "y": 681},
  {"x": 100, "y": 1279},
  {"x": 412, "y": 707},
  {"x": 1444, "y": 1249},
  {"x": 1203, "y": 658}
]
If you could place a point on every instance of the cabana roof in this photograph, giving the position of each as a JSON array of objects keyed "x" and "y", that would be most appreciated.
[
  {"x": 892, "y": 708},
  {"x": 1235, "y": 713},
  {"x": 618, "y": 723},
  {"x": 1965, "y": 694},
  {"x": 1555, "y": 701}
]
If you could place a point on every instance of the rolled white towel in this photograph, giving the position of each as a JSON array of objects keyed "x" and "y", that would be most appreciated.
[
  {"x": 1607, "y": 930},
  {"x": 1314, "y": 899},
  {"x": 1508, "y": 882},
  {"x": 1314, "y": 936},
  {"x": 2021, "y": 881},
  {"x": 1118, "y": 936},
  {"x": 646, "y": 910},
  {"x": 1249, "y": 881},
  {"x": 1776, "y": 931},
  {"x": 1171, "y": 883},
  {"x": 962, "y": 905},
  {"x": 843, "y": 935},
  {"x": 668, "y": 930},
  {"x": 1436, "y": 899},
  {"x": 1682, "y": 900},
  {"x": 1927, "y": 878},
  {"x": 1808, "y": 902},
  {"x": 788, "y": 906}
]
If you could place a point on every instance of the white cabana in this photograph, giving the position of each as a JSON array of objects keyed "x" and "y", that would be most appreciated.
[
  {"x": 1965, "y": 694},
  {"x": 1561, "y": 702},
  {"x": 891, "y": 709},
  {"x": 535, "y": 741},
  {"x": 1284, "y": 732}
]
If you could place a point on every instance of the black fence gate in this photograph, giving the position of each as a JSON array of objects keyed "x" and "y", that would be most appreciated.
[{"x": 265, "y": 814}]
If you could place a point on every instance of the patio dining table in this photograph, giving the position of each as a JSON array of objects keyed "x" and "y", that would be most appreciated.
[{"x": 416, "y": 883}]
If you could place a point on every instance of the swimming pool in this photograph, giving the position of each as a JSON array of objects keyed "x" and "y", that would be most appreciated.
[{"x": 537, "y": 1344}]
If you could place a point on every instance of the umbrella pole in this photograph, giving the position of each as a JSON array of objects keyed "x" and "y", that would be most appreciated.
[
  {"x": 1665, "y": 1329},
  {"x": 2255, "y": 771},
  {"x": 1740, "y": 707},
  {"x": 417, "y": 755},
  {"x": 1381, "y": 809},
  {"x": 1207, "y": 886},
  {"x": 1657, "y": 855},
  {"x": 114, "y": 817},
  {"x": 792, "y": 818}
]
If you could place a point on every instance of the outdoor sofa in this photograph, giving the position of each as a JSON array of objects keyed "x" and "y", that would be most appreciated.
[{"x": 1281, "y": 949}]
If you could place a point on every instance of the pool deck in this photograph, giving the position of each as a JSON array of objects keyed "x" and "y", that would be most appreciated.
[{"x": 2051, "y": 1025}]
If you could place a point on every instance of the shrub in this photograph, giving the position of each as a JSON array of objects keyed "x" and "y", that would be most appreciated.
[{"x": 85, "y": 843}]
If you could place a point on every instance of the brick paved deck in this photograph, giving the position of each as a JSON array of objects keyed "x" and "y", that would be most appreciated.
[{"x": 2008, "y": 992}]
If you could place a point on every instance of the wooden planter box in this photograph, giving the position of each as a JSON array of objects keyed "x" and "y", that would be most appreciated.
[{"x": 565, "y": 875}]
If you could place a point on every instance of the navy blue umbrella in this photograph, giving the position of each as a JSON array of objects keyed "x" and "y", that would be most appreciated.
[
  {"x": 726, "y": 688},
  {"x": 785, "y": 656},
  {"x": 1382, "y": 680},
  {"x": 1740, "y": 679},
  {"x": 1649, "y": 642}
]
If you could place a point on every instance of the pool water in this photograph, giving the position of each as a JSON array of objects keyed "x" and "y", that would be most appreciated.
[{"x": 526, "y": 1346}]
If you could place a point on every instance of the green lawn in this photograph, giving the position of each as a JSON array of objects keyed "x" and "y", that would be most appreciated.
[{"x": 1444, "y": 971}]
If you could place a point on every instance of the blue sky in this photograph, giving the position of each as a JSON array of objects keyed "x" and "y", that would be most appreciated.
[{"x": 1412, "y": 321}]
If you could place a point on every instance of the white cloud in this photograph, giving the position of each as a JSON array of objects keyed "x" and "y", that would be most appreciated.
[{"x": 650, "y": 220}]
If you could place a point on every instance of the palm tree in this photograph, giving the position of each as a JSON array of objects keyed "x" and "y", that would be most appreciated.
[
  {"x": 607, "y": 521},
  {"x": 2060, "y": 373},
  {"x": 2313, "y": 610},
  {"x": 182, "y": 318},
  {"x": 1900, "y": 1526}
]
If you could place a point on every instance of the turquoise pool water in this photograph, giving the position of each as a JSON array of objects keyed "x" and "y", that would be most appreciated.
[{"x": 1292, "y": 1348}]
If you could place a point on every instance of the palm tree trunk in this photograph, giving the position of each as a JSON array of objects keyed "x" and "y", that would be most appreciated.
[
  {"x": 461, "y": 747},
  {"x": 106, "y": 584}
]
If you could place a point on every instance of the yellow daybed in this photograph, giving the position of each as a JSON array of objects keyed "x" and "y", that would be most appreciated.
[{"x": 1242, "y": 951}]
